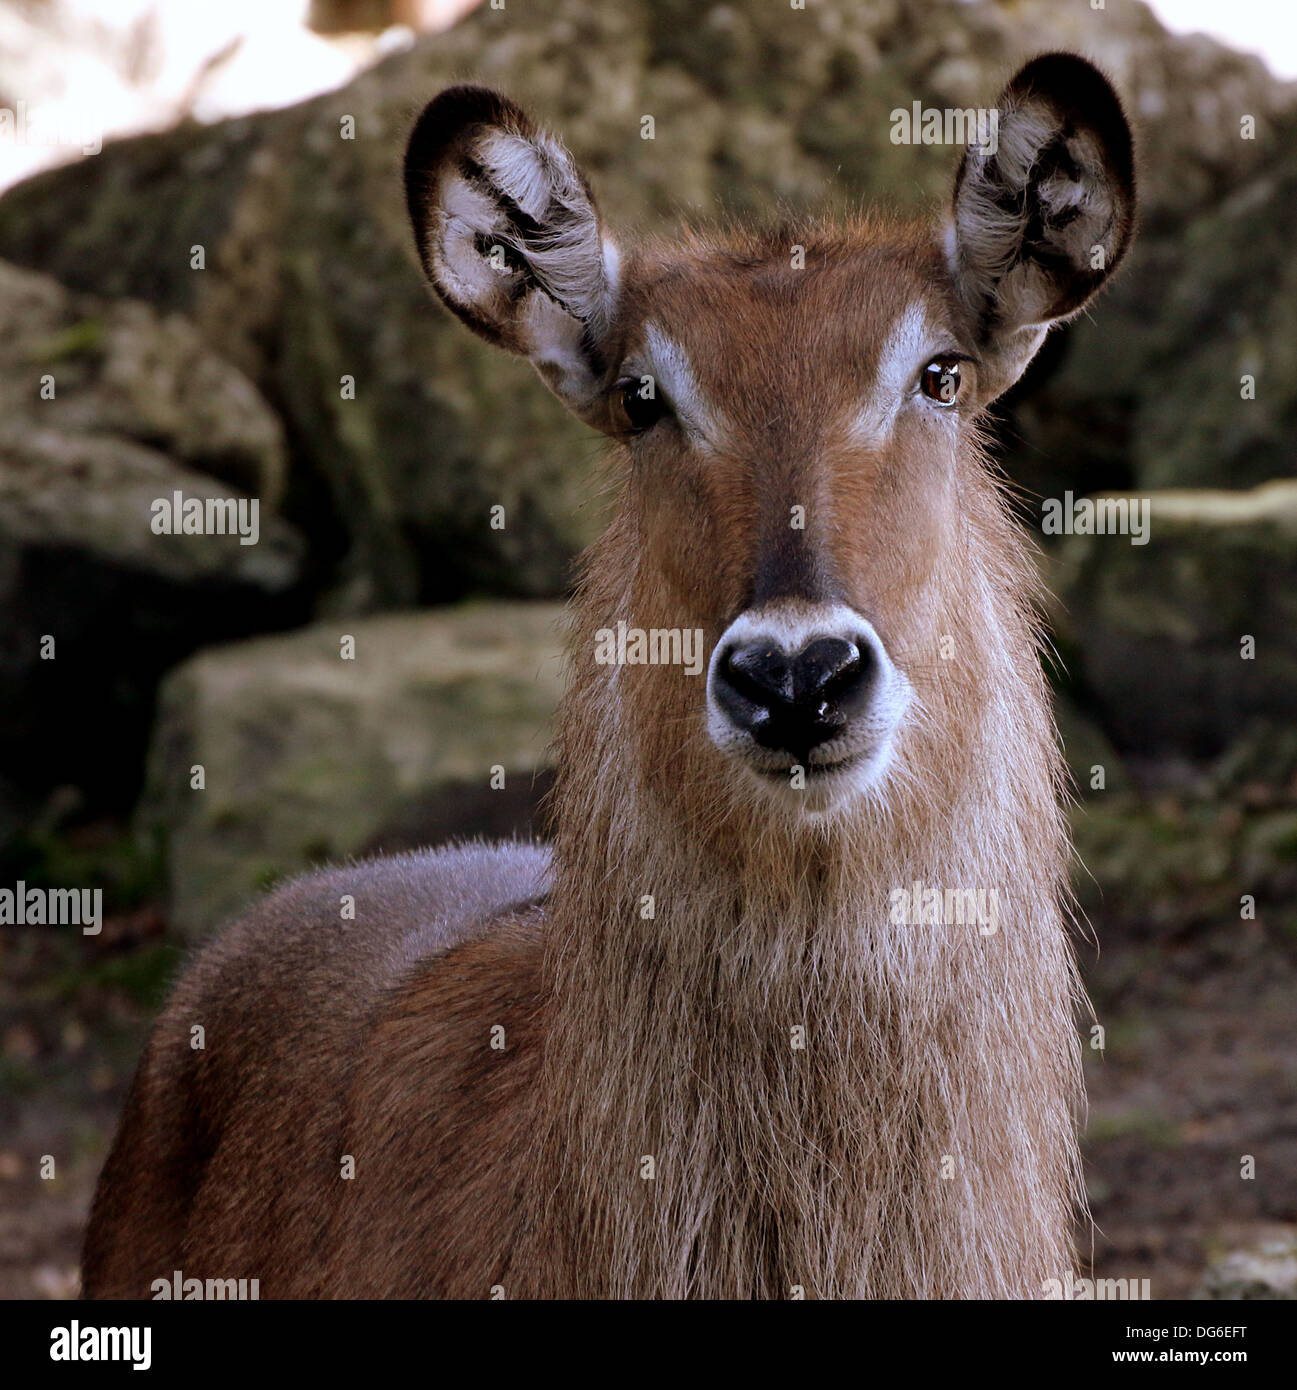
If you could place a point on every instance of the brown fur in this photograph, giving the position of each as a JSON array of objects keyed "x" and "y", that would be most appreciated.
[{"x": 819, "y": 1169}]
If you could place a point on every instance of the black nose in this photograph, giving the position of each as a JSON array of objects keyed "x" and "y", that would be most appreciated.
[{"x": 794, "y": 702}]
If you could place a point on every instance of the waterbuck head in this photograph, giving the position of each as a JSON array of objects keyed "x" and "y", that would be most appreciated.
[{"x": 795, "y": 413}]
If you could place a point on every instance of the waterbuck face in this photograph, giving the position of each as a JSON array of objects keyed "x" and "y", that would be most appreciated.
[{"x": 796, "y": 410}]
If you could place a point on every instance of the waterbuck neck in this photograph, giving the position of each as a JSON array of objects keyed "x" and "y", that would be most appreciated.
[{"x": 821, "y": 1094}]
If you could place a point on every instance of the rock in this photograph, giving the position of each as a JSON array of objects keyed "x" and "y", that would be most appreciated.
[
  {"x": 309, "y": 274},
  {"x": 94, "y": 494},
  {"x": 309, "y": 757},
  {"x": 1268, "y": 1271},
  {"x": 118, "y": 367},
  {"x": 1225, "y": 414},
  {"x": 1159, "y": 636},
  {"x": 140, "y": 406}
]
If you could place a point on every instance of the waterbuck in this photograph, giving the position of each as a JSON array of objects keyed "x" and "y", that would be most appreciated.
[{"x": 737, "y": 1036}]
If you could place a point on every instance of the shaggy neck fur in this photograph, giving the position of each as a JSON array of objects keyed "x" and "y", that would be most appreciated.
[{"x": 922, "y": 1143}]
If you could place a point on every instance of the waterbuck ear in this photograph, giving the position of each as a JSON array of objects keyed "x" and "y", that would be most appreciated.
[
  {"x": 510, "y": 237},
  {"x": 1044, "y": 211}
]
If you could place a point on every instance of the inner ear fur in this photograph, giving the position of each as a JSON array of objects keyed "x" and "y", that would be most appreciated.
[{"x": 510, "y": 238}]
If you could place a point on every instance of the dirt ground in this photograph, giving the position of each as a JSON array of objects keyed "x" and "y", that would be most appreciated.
[{"x": 1199, "y": 1069}]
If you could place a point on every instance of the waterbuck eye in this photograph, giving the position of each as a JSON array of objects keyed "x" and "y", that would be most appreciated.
[
  {"x": 939, "y": 380},
  {"x": 637, "y": 404}
]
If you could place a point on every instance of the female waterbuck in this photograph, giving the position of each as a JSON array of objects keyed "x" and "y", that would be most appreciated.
[{"x": 791, "y": 1009}]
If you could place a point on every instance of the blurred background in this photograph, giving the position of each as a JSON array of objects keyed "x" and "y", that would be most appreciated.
[{"x": 203, "y": 242}]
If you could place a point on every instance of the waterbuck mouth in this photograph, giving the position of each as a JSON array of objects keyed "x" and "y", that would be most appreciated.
[{"x": 811, "y": 770}]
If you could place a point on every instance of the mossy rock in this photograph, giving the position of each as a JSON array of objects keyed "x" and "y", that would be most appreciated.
[
  {"x": 308, "y": 756},
  {"x": 309, "y": 274},
  {"x": 1186, "y": 646}
]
